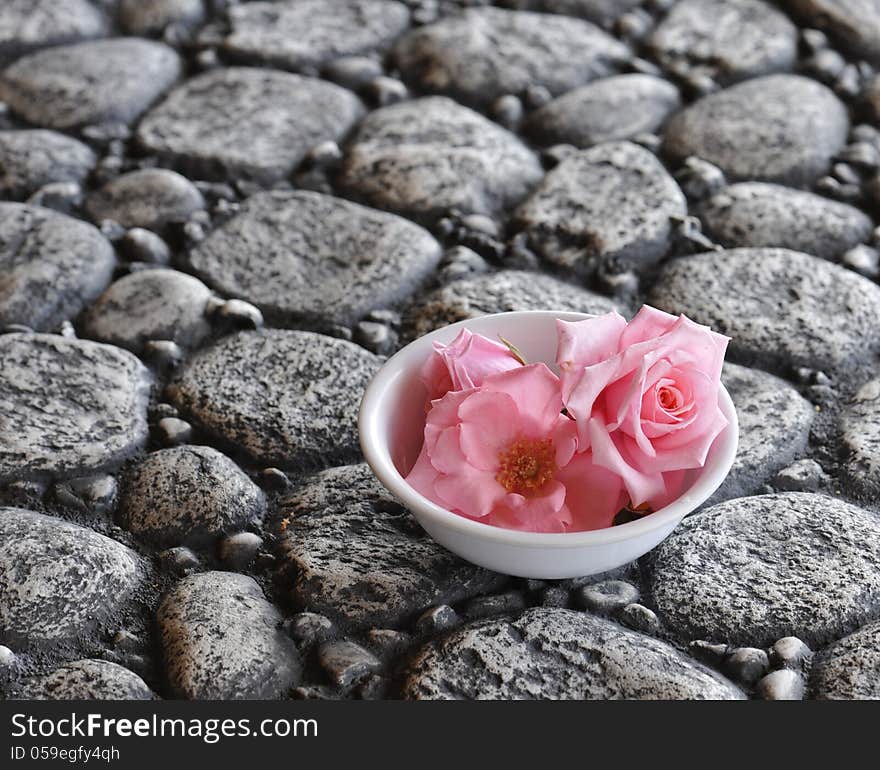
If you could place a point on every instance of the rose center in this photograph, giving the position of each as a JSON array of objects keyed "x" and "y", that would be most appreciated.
[
  {"x": 668, "y": 398},
  {"x": 526, "y": 465}
]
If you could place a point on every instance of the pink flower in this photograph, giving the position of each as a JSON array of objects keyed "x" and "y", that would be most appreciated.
[
  {"x": 465, "y": 363},
  {"x": 644, "y": 396},
  {"x": 503, "y": 453}
]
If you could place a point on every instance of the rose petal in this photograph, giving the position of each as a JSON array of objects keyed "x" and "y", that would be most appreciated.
[
  {"x": 543, "y": 513},
  {"x": 471, "y": 491},
  {"x": 594, "y": 495},
  {"x": 489, "y": 424},
  {"x": 608, "y": 451},
  {"x": 535, "y": 391},
  {"x": 423, "y": 475},
  {"x": 587, "y": 342}
]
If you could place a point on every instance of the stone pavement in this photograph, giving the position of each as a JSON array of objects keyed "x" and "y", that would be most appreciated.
[{"x": 219, "y": 217}]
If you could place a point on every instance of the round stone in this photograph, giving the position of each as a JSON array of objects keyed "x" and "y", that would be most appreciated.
[
  {"x": 725, "y": 39},
  {"x": 778, "y": 128},
  {"x": 860, "y": 427},
  {"x": 85, "y": 680},
  {"x": 360, "y": 558},
  {"x": 51, "y": 266},
  {"x": 760, "y": 214},
  {"x": 59, "y": 582},
  {"x": 150, "y": 198},
  {"x": 856, "y": 23},
  {"x": 156, "y": 304},
  {"x": 149, "y": 17},
  {"x": 558, "y": 654},
  {"x": 31, "y": 159},
  {"x": 485, "y": 53},
  {"x": 189, "y": 495},
  {"x": 781, "y": 685},
  {"x": 498, "y": 292},
  {"x": 850, "y": 668},
  {"x": 307, "y": 258},
  {"x": 752, "y": 570},
  {"x": 289, "y": 398},
  {"x": 29, "y": 24},
  {"x": 774, "y": 428},
  {"x": 604, "y": 12},
  {"x": 99, "y": 81},
  {"x": 426, "y": 156},
  {"x": 69, "y": 406},
  {"x": 607, "y": 596},
  {"x": 783, "y": 309},
  {"x": 223, "y": 641},
  {"x": 346, "y": 662},
  {"x": 301, "y": 34},
  {"x": 609, "y": 205},
  {"x": 610, "y": 109},
  {"x": 247, "y": 123}
]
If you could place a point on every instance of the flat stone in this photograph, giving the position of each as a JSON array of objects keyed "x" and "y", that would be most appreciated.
[
  {"x": 783, "y": 309},
  {"x": 498, "y": 293},
  {"x": 346, "y": 662},
  {"x": 850, "y": 668},
  {"x": 760, "y": 214},
  {"x": 485, "y": 53},
  {"x": 51, "y": 266},
  {"x": 189, "y": 495},
  {"x": 558, "y": 654},
  {"x": 606, "y": 110},
  {"x": 149, "y": 17},
  {"x": 157, "y": 304},
  {"x": 358, "y": 557},
  {"x": 223, "y": 641},
  {"x": 69, "y": 406},
  {"x": 246, "y": 123},
  {"x": 150, "y": 198},
  {"x": 609, "y": 205},
  {"x": 59, "y": 581},
  {"x": 29, "y": 24},
  {"x": 298, "y": 34},
  {"x": 774, "y": 428},
  {"x": 860, "y": 428},
  {"x": 855, "y": 23},
  {"x": 307, "y": 258},
  {"x": 426, "y": 156},
  {"x": 99, "y": 81},
  {"x": 289, "y": 398},
  {"x": 85, "y": 680},
  {"x": 30, "y": 159},
  {"x": 778, "y": 128},
  {"x": 604, "y": 12},
  {"x": 752, "y": 570},
  {"x": 725, "y": 39}
]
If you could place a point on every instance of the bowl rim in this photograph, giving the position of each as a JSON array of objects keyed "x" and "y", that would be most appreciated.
[{"x": 379, "y": 460}]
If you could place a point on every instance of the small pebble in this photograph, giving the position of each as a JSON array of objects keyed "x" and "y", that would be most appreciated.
[
  {"x": 700, "y": 179},
  {"x": 747, "y": 665},
  {"x": 125, "y": 640},
  {"x": 308, "y": 628},
  {"x": 485, "y": 606},
  {"x": 508, "y": 111},
  {"x": 372, "y": 688},
  {"x": 862, "y": 154},
  {"x": 864, "y": 260},
  {"x": 814, "y": 40},
  {"x": 640, "y": 618},
  {"x": 241, "y": 314},
  {"x": 274, "y": 479},
  {"x": 537, "y": 96},
  {"x": 174, "y": 431},
  {"x": 7, "y": 657},
  {"x": 96, "y": 491},
  {"x": 346, "y": 663},
  {"x": 387, "y": 641},
  {"x": 634, "y": 25},
  {"x": 460, "y": 262},
  {"x": 826, "y": 65},
  {"x": 384, "y": 316},
  {"x": 385, "y": 91},
  {"x": 784, "y": 684},
  {"x": 708, "y": 652},
  {"x": 181, "y": 559},
  {"x": 846, "y": 174},
  {"x": 140, "y": 245},
  {"x": 111, "y": 230},
  {"x": 164, "y": 355},
  {"x": 353, "y": 72},
  {"x": 61, "y": 196},
  {"x": 437, "y": 619},
  {"x": 239, "y": 550},
  {"x": 324, "y": 155},
  {"x": 790, "y": 652},
  {"x": 801, "y": 476},
  {"x": 607, "y": 597},
  {"x": 376, "y": 337}
]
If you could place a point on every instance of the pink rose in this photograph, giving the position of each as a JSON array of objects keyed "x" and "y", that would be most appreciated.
[
  {"x": 644, "y": 396},
  {"x": 505, "y": 454},
  {"x": 465, "y": 363}
]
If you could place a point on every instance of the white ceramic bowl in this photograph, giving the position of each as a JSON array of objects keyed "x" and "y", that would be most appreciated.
[{"x": 391, "y": 423}]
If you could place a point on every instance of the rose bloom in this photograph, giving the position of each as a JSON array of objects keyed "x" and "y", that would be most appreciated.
[
  {"x": 644, "y": 396},
  {"x": 505, "y": 454}
]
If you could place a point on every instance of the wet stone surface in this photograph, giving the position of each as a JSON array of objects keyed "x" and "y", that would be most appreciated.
[
  {"x": 31, "y": 159},
  {"x": 30, "y": 24}
]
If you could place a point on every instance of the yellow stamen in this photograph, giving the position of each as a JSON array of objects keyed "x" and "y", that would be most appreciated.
[{"x": 527, "y": 465}]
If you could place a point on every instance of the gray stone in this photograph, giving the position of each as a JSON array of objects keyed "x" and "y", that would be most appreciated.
[
  {"x": 725, "y": 39},
  {"x": 850, "y": 668},
  {"x": 558, "y": 654},
  {"x": 51, "y": 266},
  {"x": 487, "y": 52},
  {"x": 436, "y": 620},
  {"x": 31, "y": 159},
  {"x": 29, "y": 24},
  {"x": 174, "y": 431},
  {"x": 240, "y": 549},
  {"x": 755, "y": 569},
  {"x": 512, "y": 602},
  {"x": 497, "y": 293},
  {"x": 860, "y": 428},
  {"x": 93, "y": 82},
  {"x": 7, "y": 657},
  {"x": 789, "y": 652},
  {"x": 856, "y": 23},
  {"x": 781, "y": 685},
  {"x": 246, "y": 123},
  {"x": 139, "y": 245},
  {"x": 85, "y": 680},
  {"x": 609, "y": 109},
  {"x": 778, "y": 128},
  {"x": 308, "y": 628},
  {"x": 774, "y": 428},
  {"x": 68, "y": 406},
  {"x": 223, "y": 641},
  {"x": 640, "y": 618},
  {"x": 607, "y": 596},
  {"x": 782, "y": 308},
  {"x": 59, "y": 582},
  {"x": 307, "y": 258},
  {"x": 865, "y": 260},
  {"x": 150, "y": 198},
  {"x": 148, "y": 305},
  {"x": 609, "y": 205},
  {"x": 301, "y": 34},
  {"x": 357, "y": 556},
  {"x": 801, "y": 476},
  {"x": 760, "y": 214},
  {"x": 426, "y": 156},
  {"x": 240, "y": 314},
  {"x": 149, "y": 17},
  {"x": 346, "y": 663},
  {"x": 289, "y": 398},
  {"x": 747, "y": 665},
  {"x": 189, "y": 495},
  {"x": 603, "y": 12}
]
